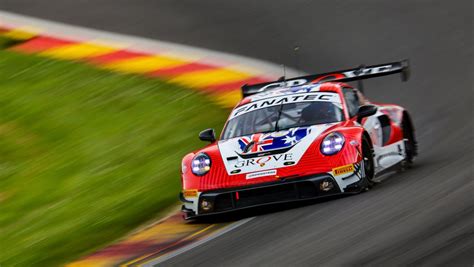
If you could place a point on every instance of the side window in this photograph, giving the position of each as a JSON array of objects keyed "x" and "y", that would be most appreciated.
[{"x": 352, "y": 101}]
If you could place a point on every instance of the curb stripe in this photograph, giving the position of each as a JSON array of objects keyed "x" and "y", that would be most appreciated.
[
  {"x": 77, "y": 51},
  {"x": 157, "y": 238},
  {"x": 115, "y": 56},
  {"x": 207, "y": 78},
  {"x": 144, "y": 64},
  {"x": 170, "y": 246},
  {"x": 156, "y": 261},
  {"x": 178, "y": 70},
  {"x": 39, "y": 44},
  {"x": 22, "y": 33},
  {"x": 221, "y": 82},
  {"x": 227, "y": 98}
]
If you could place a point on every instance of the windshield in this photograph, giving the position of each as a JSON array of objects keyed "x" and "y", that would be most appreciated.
[{"x": 283, "y": 116}]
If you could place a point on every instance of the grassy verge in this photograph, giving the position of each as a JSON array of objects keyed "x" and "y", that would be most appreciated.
[
  {"x": 7, "y": 42},
  {"x": 86, "y": 155}
]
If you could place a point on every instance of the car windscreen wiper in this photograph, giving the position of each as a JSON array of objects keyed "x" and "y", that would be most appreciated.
[{"x": 280, "y": 110}]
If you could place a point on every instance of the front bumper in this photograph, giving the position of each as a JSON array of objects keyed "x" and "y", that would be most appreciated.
[{"x": 225, "y": 200}]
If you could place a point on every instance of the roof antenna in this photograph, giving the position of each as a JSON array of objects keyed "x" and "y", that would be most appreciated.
[
  {"x": 296, "y": 48},
  {"x": 282, "y": 78}
]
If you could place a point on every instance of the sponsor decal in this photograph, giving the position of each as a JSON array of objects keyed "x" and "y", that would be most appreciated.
[
  {"x": 343, "y": 170},
  {"x": 297, "y": 89},
  {"x": 289, "y": 83},
  {"x": 255, "y": 143},
  {"x": 273, "y": 141},
  {"x": 261, "y": 174},
  {"x": 285, "y": 99},
  {"x": 368, "y": 71},
  {"x": 354, "y": 73},
  {"x": 262, "y": 161},
  {"x": 190, "y": 193},
  {"x": 270, "y": 159}
]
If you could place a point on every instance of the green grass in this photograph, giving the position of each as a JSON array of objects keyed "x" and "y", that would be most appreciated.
[
  {"x": 87, "y": 155},
  {"x": 7, "y": 42}
]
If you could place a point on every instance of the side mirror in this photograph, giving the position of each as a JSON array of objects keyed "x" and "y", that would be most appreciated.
[
  {"x": 365, "y": 111},
  {"x": 208, "y": 135}
]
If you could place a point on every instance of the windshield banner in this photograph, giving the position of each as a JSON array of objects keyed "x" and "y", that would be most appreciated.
[{"x": 287, "y": 99}]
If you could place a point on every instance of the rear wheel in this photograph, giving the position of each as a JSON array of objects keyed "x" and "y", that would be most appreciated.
[
  {"x": 411, "y": 149},
  {"x": 367, "y": 164}
]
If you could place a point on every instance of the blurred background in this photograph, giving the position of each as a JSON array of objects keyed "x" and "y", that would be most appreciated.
[{"x": 87, "y": 154}]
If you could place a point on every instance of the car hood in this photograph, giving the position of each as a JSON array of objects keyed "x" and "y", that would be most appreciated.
[{"x": 268, "y": 151}]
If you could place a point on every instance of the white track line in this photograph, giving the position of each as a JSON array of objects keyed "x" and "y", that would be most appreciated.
[
  {"x": 184, "y": 249},
  {"x": 77, "y": 33}
]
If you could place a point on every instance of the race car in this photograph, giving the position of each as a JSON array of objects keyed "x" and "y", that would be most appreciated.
[{"x": 298, "y": 139}]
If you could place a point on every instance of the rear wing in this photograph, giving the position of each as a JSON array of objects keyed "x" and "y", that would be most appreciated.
[{"x": 349, "y": 75}]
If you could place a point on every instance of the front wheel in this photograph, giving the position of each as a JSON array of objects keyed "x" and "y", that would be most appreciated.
[{"x": 367, "y": 164}]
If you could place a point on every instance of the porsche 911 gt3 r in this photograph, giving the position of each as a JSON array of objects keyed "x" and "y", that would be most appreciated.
[{"x": 298, "y": 139}]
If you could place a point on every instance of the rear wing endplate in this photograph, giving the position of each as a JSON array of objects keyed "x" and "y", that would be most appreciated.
[{"x": 349, "y": 75}]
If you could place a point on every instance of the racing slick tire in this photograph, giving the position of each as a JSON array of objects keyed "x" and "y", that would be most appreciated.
[
  {"x": 411, "y": 148},
  {"x": 368, "y": 166}
]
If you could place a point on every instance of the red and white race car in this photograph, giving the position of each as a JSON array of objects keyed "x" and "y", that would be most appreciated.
[{"x": 298, "y": 139}]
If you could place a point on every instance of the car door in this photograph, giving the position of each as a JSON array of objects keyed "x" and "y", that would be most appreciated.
[
  {"x": 372, "y": 124},
  {"x": 379, "y": 128}
]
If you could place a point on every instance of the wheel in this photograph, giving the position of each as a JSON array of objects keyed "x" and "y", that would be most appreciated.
[
  {"x": 367, "y": 164},
  {"x": 411, "y": 149}
]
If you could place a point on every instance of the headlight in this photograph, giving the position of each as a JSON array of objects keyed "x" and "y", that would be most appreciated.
[
  {"x": 201, "y": 164},
  {"x": 332, "y": 143}
]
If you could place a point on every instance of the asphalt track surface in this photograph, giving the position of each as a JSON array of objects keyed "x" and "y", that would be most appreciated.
[{"x": 423, "y": 216}]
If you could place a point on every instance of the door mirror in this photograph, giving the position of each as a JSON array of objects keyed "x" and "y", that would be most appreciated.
[
  {"x": 208, "y": 135},
  {"x": 365, "y": 111}
]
